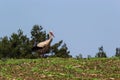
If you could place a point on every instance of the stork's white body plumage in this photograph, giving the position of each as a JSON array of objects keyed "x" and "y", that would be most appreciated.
[
  {"x": 44, "y": 46},
  {"x": 44, "y": 43},
  {"x": 47, "y": 42}
]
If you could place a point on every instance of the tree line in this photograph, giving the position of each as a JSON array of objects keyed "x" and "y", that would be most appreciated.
[
  {"x": 18, "y": 45},
  {"x": 101, "y": 53}
]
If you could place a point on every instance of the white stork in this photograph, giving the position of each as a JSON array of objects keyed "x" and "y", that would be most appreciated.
[{"x": 44, "y": 46}]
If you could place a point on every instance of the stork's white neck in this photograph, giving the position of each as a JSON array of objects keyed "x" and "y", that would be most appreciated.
[{"x": 50, "y": 36}]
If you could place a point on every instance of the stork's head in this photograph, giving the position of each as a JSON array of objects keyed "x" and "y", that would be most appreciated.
[{"x": 51, "y": 34}]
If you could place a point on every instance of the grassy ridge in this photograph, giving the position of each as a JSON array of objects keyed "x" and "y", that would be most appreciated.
[{"x": 60, "y": 69}]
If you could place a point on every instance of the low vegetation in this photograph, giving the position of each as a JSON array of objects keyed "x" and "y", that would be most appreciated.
[{"x": 60, "y": 69}]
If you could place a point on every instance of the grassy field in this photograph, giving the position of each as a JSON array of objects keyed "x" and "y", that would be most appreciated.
[{"x": 60, "y": 69}]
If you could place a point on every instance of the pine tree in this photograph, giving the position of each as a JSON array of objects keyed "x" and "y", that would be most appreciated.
[
  {"x": 4, "y": 47},
  {"x": 20, "y": 45},
  {"x": 101, "y": 53},
  {"x": 37, "y": 34},
  {"x": 60, "y": 51},
  {"x": 117, "y": 52}
]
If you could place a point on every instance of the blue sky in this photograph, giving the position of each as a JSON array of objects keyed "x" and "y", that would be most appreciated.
[{"x": 84, "y": 25}]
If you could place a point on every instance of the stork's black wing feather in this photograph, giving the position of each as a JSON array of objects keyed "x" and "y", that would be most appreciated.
[{"x": 35, "y": 48}]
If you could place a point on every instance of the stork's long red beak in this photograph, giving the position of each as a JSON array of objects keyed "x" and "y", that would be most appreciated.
[{"x": 52, "y": 34}]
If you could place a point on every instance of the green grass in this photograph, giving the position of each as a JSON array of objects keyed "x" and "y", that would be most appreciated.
[{"x": 60, "y": 69}]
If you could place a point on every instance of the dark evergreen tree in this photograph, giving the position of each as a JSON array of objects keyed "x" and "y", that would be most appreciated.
[
  {"x": 37, "y": 34},
  {"x": 4, "y": 47},
  {"x": 60, "y": 51},
  {"x": 20, "y": 45},
  {"x": 117, "y": 52},
  {"x": 64, "y": 51},
  {"x": 55, "y": 48},
  {"x": 101, "y": 53}
]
